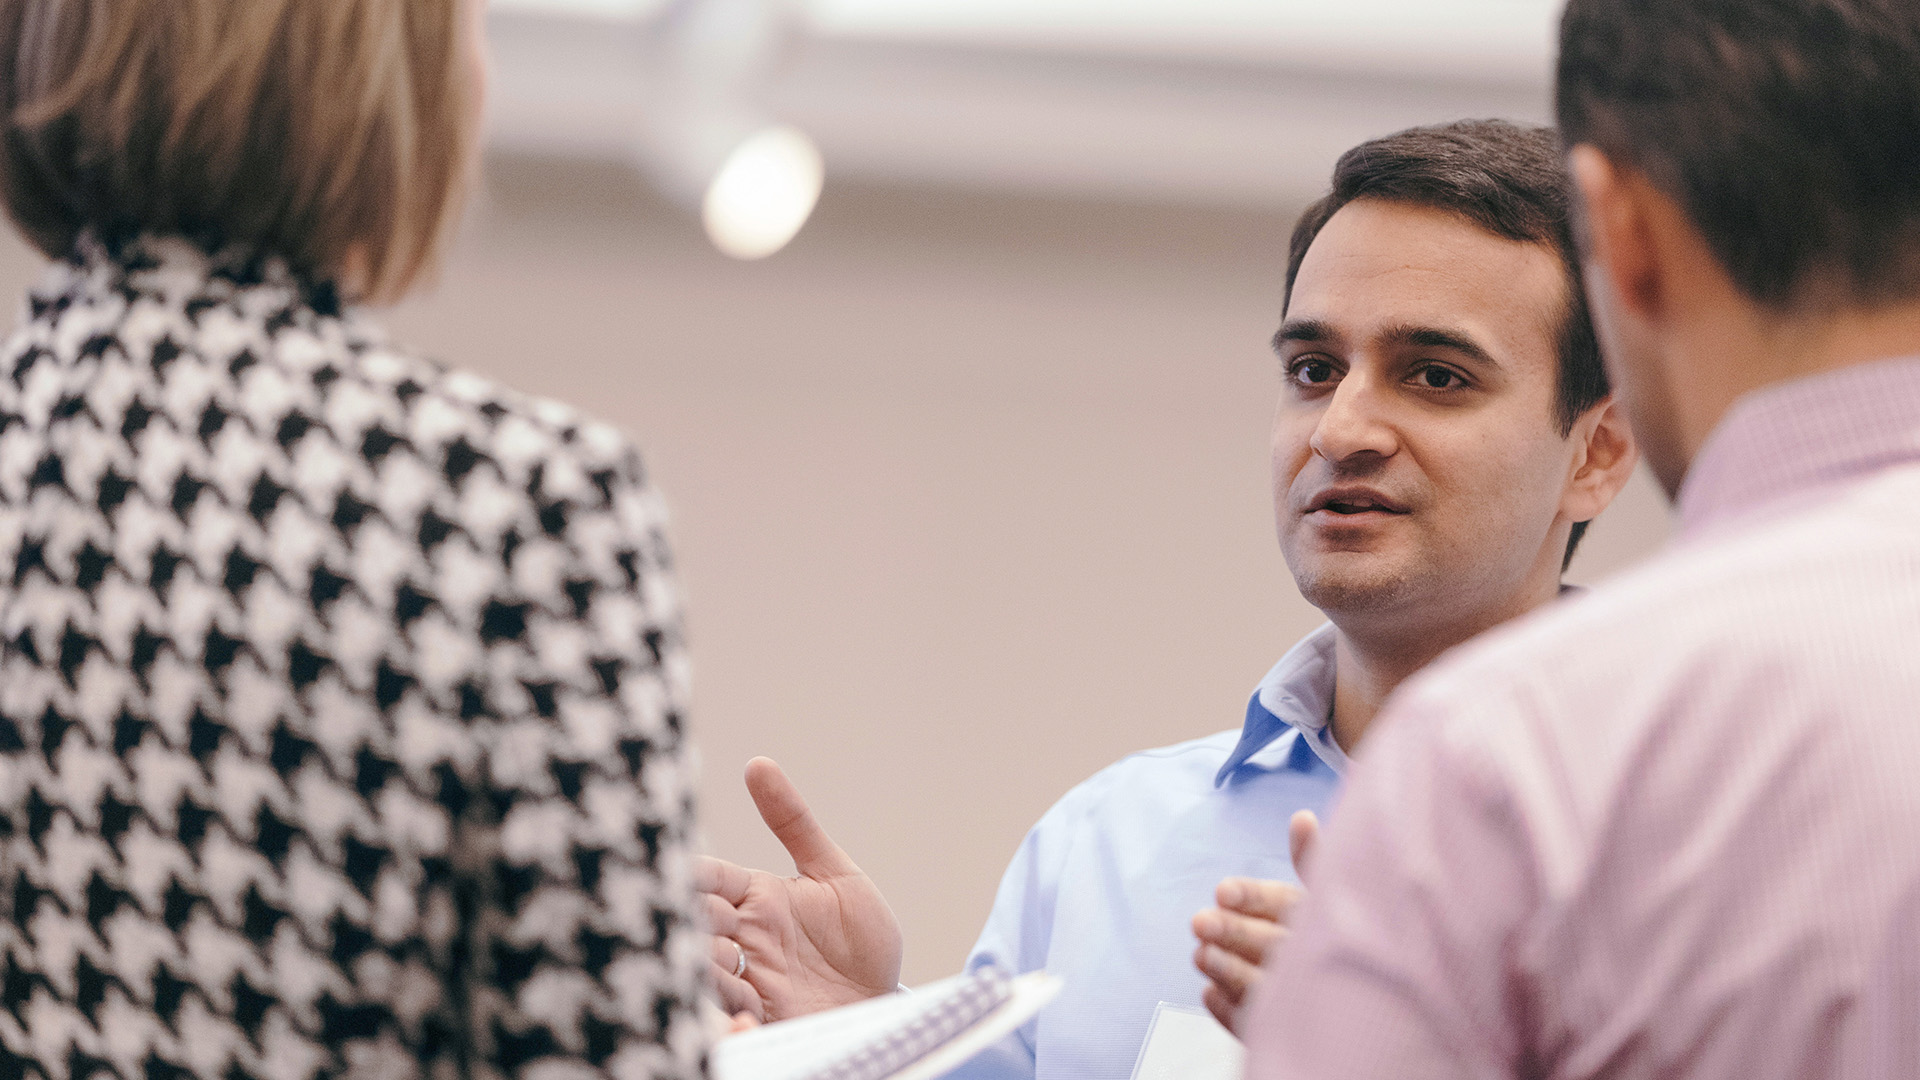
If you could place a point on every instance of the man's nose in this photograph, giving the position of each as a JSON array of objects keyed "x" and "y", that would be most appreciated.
[{"x": 1355, "y": 422}]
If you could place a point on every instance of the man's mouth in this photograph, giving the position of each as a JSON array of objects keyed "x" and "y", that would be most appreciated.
[{"x": 1351, "y": 502}]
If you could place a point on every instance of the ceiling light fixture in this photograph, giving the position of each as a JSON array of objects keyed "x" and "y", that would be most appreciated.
[{"x": 709, "y": 141}]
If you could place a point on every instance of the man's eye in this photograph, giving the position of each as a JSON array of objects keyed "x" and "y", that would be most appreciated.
[
  {"x": 1435, "y": 377},
  {"x": 1311, "y": 372}
]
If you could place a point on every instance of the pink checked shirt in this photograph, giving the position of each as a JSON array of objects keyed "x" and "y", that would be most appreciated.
[{"x": 1670, "y": 829}]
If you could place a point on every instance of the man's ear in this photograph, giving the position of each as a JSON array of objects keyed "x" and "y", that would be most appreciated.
[
  {"x": 1619, "y": 231},
  {"x": 1603, "y": 462}
]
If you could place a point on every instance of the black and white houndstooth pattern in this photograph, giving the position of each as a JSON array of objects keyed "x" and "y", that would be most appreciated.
[{"x": 340, "y": 703}]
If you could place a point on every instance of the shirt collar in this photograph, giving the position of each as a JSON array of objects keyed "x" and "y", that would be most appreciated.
[
  {"x": 178, "y": 270},
  {"x": 1790, "y": 441},
  {"x": 1297, "y": 695}
]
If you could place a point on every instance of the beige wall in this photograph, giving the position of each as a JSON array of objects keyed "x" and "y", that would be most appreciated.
[{"x": 970, "y": 492}]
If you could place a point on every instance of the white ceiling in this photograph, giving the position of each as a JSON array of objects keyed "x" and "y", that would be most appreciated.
[
  {"x": 1432, "y": 34},
  {"x": 1222, "y": 101},
  {"x": 1426, "y": 32}
]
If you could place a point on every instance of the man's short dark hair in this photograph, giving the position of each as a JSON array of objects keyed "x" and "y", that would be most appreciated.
[
  {"x": 1787, "y": 130},
  {"x": 1509, "y": 179}
]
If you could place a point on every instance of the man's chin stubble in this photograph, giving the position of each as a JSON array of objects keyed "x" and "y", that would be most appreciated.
[{"x": 1357, "y": 595}]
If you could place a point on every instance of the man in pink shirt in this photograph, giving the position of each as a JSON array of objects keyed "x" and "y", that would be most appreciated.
[{"x": 1673, "y": 829}]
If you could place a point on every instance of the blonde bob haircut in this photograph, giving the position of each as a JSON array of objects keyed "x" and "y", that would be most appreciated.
[{"x": 331, "y": 133}]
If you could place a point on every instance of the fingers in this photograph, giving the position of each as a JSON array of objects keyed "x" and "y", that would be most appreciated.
[
  {"x": 815, "y": 855},
  {"x": 1273, "y": 901},
  {"x": 737, "y": 996},
  {"x": 723, "y": 919},
  {"x": 1223, "y": 1006},
  {"x": 724, "y": 952},
  {"x": 743, "y": 1021},
  {"x": 720, "y": 878},
  {"x": 1303, "y": 835},
  {"x": 1246, "y": 937},
  {"x": 1231, "y": 979}
]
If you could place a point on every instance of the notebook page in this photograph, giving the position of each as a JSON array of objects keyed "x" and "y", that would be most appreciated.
[{"x": 793, "y": 1049}]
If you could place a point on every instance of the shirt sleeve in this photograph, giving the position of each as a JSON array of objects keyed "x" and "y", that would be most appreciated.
[
  {"x": 1406, "y": 964},
  {"x": 575, "y": 823}
]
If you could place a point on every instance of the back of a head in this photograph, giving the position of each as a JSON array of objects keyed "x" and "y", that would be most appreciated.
[
  {"x": 1787, "y": 130},
  {"x": 330, "y": 133}
]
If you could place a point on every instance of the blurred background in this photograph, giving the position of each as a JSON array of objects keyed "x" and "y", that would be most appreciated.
[{"x": 969, "y": 478}]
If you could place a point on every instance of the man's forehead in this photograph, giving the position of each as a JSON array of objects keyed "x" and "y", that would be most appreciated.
[{"x": 1377, "y": 269}]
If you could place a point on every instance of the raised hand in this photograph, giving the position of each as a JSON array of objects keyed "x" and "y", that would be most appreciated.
[
  {"x": 1251, "y": 918},
  {"x": 822, "y": 938}
]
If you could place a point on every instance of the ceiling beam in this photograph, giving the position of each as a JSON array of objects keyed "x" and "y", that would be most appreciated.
[{"x": 1112, "y": 124}]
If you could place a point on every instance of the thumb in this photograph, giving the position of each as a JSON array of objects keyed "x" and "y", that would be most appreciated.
[
  {"x": 1303, "y": 835},
  {"x": 814, "y": 853}
]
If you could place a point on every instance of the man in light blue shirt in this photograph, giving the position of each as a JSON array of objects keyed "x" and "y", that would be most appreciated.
[
  {"x": 1443, "y": 433},
  {"x": 1103, "y": 887}
]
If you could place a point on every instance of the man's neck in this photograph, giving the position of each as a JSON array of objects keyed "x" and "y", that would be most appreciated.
[
  {"x": 1723, "y": 359},
  {"x": 1362, "y": 680},
  {"x": 1369, "y": 665}
]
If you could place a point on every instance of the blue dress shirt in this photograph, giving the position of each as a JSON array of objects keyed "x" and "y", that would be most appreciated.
[{"x": 1104, "y": 889}]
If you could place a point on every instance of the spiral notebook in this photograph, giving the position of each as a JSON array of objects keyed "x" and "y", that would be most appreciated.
[{"x": 917, "y": 1035}]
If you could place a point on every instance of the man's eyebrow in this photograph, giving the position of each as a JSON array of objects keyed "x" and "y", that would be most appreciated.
[
  {"x": 1307, "y": 330},
  {"x": 1438, "y": 337}
]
